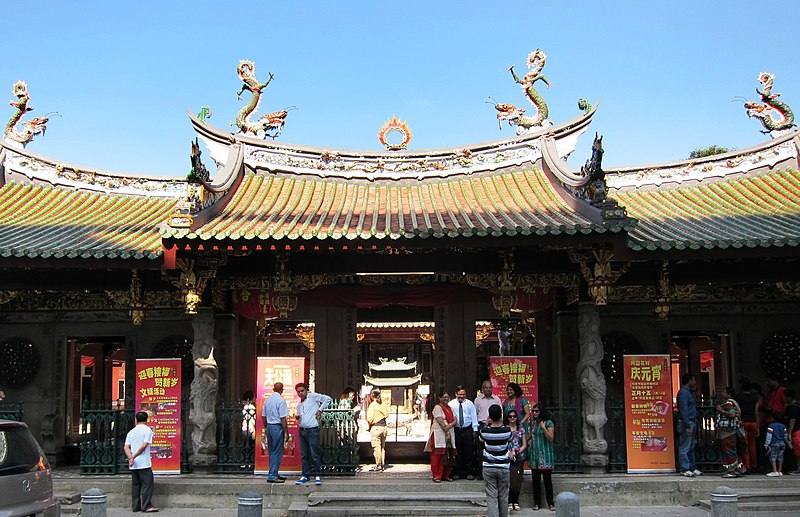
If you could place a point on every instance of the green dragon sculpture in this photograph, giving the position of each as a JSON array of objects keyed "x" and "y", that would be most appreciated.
[
  {"x": 269, "y": 125},
  {"x": 516, "y": 116},
  {"x": 31, "y": 128},
  {"x": 764, "y": 112}
]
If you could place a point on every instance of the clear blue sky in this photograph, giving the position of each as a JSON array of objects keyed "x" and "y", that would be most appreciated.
[{"x": 123, "y": 74}]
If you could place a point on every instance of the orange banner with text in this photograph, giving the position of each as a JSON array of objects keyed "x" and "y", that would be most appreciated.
[
  {"x": 158, "y": 393},
  {"x": 289, "y": 371},
  {"x": 650, "y": 438},
  {"x": 524, "y": 370}
]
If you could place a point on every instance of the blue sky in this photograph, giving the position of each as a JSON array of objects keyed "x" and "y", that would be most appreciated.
[{"x": 123, "y": 74}]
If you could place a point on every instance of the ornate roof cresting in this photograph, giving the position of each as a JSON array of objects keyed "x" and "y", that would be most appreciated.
[
  {"x": 31, "y": 128},
  {"x": 394, "y": 125},
  {"x": 269, "y": 125},
  {"x": 516, "y": 116},
  {"x": 775, "y": 125}
]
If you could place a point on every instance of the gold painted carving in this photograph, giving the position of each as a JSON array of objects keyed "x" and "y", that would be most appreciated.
[{"x": 599, "y": 274}]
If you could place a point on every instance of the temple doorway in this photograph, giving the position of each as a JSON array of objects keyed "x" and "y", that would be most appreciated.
[
  {"x": 706, "y": 355},
  {"x": 95, "y": 374}
]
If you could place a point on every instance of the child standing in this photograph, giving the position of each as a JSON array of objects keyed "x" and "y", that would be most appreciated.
[{"x": 776, "y": 442}]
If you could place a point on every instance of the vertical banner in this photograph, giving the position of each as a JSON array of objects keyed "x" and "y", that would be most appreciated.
[
  {"x": 524, "y": 370},
  {"x": 158, "y": 393},
  {"x": 648, "y": 414},
  {"x": 289, "y": 371}
]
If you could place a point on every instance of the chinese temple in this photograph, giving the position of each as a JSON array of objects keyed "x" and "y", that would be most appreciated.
[{"x": 293, "y": 250}]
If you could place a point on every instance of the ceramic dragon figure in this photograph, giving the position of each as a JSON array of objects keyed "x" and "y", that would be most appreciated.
[
  {"x": 269, "y": 125},
  {"x": 764, "y": 112},
  {"x": 31, "y": 128},
  {"x": 516, "y": 116}
]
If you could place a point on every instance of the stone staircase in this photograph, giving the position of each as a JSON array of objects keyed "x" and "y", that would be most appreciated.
[
  {"x": 769, "y": 500},
  {"x": 414, "y": 499}
]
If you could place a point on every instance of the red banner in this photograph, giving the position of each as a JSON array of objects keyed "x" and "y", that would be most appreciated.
[
  {"x": 648, "y": 414},
  {"x": 289, "y": 371},
  {"x": 158, "y": 393},
  {"x": 524, "y": 370}
]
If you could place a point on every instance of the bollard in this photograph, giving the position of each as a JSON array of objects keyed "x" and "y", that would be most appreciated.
[
  {"x": 568, "y": 505},
  {"x": 724, "y": 502},
  {"x": 250, "y": 504},
  {"x": 94, "y": 503}
]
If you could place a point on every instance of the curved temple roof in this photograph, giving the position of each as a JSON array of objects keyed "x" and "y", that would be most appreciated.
[{"x": 272, "y": 192}]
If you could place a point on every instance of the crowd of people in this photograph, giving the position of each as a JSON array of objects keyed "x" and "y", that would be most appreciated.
[
  {"x": 490, "y": 439},
  {"x": 745, "y": 423}
]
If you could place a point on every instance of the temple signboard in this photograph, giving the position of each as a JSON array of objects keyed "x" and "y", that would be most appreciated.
[
  {"x": 649, "y": 438},
  {"x": 158, "y": 393}
]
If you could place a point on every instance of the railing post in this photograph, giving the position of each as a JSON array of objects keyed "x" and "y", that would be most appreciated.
[
  {"x": 724, "y": 502},
  {"x": 568, "y": 505},
  {"x": 94, "y": 503},
  {"x": 250, "y": 504}
]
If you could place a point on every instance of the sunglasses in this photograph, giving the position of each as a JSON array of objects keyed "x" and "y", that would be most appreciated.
[
  {"x": 512, "y": 416},
  {"x": 534, "y": 410}
]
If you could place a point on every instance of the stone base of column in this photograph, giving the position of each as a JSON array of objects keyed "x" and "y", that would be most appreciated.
[{"x": 594, "y": 464}]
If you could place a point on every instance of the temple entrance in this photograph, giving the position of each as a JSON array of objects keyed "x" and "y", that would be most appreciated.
[
  {"x": 706, "y": 355},
  {"x": 95, "y": 374}
]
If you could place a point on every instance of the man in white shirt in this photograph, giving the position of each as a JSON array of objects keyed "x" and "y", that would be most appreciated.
[
  {"x": 137, "y": 449},
  {"x": 482, "y": 404},
  {"x": 309, "y": 413},
  {"x": 466, "y": 432},
  {"x": 275, "y": 413}
]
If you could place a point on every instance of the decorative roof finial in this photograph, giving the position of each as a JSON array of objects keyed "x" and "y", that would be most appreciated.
[
  {"x": 394, "y": 125},
  {"x": 31, "y": 128},
  {"x": 516, "y": 116},
  {"x": 269, "y": 125},
  {"x": 774, "y": 125}
]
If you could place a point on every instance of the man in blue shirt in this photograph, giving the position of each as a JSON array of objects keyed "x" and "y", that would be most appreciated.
[
  {"x": 309, "y": 413},
  {"x": 275, "y": 412},
  {"x": 687, "y": 424}
]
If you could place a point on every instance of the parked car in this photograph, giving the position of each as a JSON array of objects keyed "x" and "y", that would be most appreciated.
[{"x": 26, "y": 483}]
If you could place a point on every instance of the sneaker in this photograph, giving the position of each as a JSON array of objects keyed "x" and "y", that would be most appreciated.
[
  {"x": 317, "y": 480},
  {"x": 302, "y": 481},
  {"x": 795, "y": 472},
  {"x": 729, "y": 475},
  {"x": 688, "y": 474},
  {"x": 780, "y": 473},
  {"x": 774, "y": 474},
  {"x": 697, "y": 472}
]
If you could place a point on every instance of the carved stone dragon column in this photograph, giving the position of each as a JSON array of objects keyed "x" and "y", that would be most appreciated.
[
  {"x": 203, "y": 393},
  {"x": 593, "y": 390}
]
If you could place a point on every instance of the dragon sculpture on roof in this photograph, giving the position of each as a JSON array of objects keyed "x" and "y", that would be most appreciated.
[
  {"x": 31, "y": 128},
  {"x": 769, "y": 104},
  {"x": 516, "y": 116},
  {"x": 269, "y": 125}
]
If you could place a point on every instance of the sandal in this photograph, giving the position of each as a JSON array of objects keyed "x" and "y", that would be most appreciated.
[
  {"x": 435, "y": 480},
  {"x": 535, "y": 507},
  {"x": 552, "y": 507},
  {"x": 152, "y": 509}
]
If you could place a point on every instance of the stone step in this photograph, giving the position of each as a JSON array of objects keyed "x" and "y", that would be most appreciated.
[
  {"x": 354, "y": 500},
  {"x": 786, "y": 507},
  {"x": 304, "y": 509}
]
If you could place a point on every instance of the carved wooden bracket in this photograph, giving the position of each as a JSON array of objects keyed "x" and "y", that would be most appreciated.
[
  {"x": 599, "y": 274},
  {"x": 662, "y": 302}
]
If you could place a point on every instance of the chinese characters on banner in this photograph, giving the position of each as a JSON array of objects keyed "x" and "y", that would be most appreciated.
[
  {"x": 158, "y": 393},
  {"x": 524, "y": 370},
  {"x": 648, "y": 414},
  {"x": 289, "y": 371}
]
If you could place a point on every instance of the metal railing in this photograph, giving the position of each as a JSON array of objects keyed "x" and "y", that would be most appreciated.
[{"x": 338, "y": 432}]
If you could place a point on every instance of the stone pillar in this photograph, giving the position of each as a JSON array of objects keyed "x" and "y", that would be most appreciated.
[
  {"x": 250, "y": 504},
  {"x": 94, "y": 503},
  {"x": 593, "y": 390},
  {"x": 203, "y": 394},
  {"x": 568, "y": 505},
  {"x": 724, "y": 502}
]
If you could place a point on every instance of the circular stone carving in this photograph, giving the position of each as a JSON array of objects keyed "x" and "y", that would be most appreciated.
[
  {"x": 19, "y": 362},
  {"x": 615, "y": 346},
  {"x": 780, "y": 356}
]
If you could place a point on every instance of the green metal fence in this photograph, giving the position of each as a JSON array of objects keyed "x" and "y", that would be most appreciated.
[
  {"x": 567, "y": 442},
  {"x": 104, "y": 426},
  {"x": 11, "y": 411}
]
